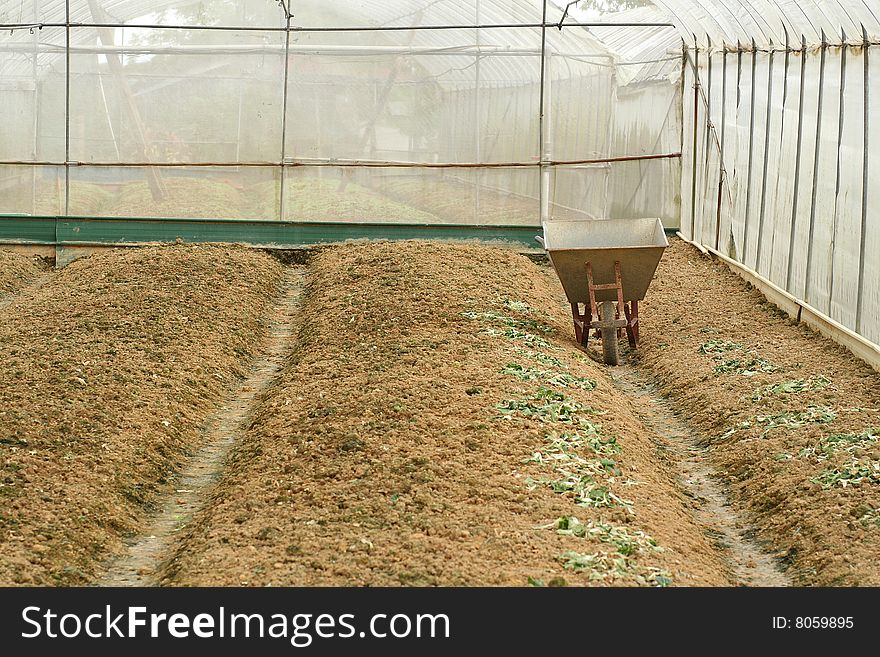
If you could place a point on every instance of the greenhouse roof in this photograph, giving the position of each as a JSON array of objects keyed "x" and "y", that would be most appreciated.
[
  {"x": 512, "y": 47},
  {"x": 715, "y": 23},
  {"x": 771, "y": 21}
]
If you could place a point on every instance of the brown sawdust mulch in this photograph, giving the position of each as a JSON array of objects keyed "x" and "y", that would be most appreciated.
[
  {"x": 825, "y": 535},
  {"x": 380, "y": 458},
  {"x": 17, "y": 270},
  {"x": 107, "y": 374}
]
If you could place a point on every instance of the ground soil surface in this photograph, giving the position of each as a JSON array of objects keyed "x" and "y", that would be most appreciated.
[
  {"x": 107, "y": 373},
  {"x": 17, "y": 271},
  {"x": 790, "y": 419},
  {"x": 420, "y": 415},
  {"x": 436, "y": 426}
]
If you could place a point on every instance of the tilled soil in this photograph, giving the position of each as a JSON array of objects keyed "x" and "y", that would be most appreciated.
[
  {"x": 790, "y": 419},
  {"x": 109, "y": 371},
  {"x": 192, "y": 484},
  {"x": 435, "y": 426},
  {"x": 17, "y": 271}
]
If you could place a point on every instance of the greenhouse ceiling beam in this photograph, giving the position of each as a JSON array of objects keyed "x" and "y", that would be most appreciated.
[
  {"x": 300, "y": 29},
  {"x": 74, "y": 231},
  {"x": 279, "y": 49},
  {"x": 298, "y": 162}
]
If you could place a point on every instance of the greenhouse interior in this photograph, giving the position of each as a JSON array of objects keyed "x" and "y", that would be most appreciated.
[
  {"x": 293, "y": 232},
  {"x": 509, "y": 113}
]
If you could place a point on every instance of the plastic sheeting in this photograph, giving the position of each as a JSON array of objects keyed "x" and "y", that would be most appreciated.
[
  {"x": 764, "y": 22},
  {"x": 411, "y": 111},
  {"x": 781, "y": 167}
]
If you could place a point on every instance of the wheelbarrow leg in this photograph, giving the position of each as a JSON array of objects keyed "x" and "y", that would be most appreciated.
[
  {"x": 581, "y": 325},
  {"x": 631, "y": 310}
]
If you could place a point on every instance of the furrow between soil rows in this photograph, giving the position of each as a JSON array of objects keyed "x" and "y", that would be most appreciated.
[
  {"x": 435, "y": 426},
  {"x": 790, "y": 419},
  {"x": 109, "y": 372}
]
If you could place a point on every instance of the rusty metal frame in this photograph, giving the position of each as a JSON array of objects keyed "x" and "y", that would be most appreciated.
[{"x": 591, "y": 318}]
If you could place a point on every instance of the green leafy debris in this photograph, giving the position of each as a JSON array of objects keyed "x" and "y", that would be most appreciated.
[
  {"x": 854, "y": 473},
  {"x": 518, "y": 306},
  {"x": 546, "y": 405},
  {"x": 718, "y": 347},
  {"x": 493, "y": 317},
  {"x": 871, "y": 518},
  {"x": 627, "y": 542},
  {"x": 520, "y": 336},
  {"x": 746, "y": 366},
  {"x": 603, "y": 566},
  {"x": 791, "y": 387},
  {"x": 560, "y": 379},
  {"x": 837, "y": 443},
  {"x": 785, "y": 420},
  {"x": 583, "y": 488},
  {"x": 544, "y": 359}
]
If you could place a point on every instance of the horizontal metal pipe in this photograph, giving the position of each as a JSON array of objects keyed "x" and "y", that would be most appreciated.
[
  {"x": 296, "y": 28},
  {"x": 347, "y": 163},
  {"x": 261, "y": 49}
]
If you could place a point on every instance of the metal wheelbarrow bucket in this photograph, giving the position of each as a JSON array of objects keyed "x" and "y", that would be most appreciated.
[{"x": 607, "y": 265}]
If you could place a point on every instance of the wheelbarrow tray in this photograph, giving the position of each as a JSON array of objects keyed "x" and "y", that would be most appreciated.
[{"x": 637, "y": 244}]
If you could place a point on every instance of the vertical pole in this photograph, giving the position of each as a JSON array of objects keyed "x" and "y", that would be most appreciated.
[
  {"x": 707, "y": 142},
  {"x": 284, "y": 93},
  {"x": 818, "y": 147},
  {"x": 745, "y": 249},
  {"x": 477, "y": 118},
  {"x": 241, "y": 18},
  {"x": 797, "y": 167},
  {"x": 840, "y": 123},
  {"x": 696, "y": 68},
  {"x": 544, "y": 188},
  {"x": 721, "y": 146},
  {"x": 784, "y": 116},
  {"x": 766, "y": 164},
  {"x": 37, "y": 107},
  {"x": 865, "y": 160},
  {"x": 67, "y": 107}
]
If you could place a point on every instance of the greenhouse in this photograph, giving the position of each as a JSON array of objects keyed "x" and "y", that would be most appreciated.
[{"x": 439, "y": 292}]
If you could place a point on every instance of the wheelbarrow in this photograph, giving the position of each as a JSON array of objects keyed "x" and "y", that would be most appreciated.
[{"x": 606, "y": 266}]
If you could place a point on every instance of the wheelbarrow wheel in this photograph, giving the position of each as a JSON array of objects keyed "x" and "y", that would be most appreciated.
[{"x": 609, "y": 337}]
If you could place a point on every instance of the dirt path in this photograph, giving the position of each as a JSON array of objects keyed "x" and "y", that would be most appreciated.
[
  {"x": 451, "y": 435},
  {"x": 748, "y": 563},
  {"x": 145, "y": 553},
  {"x": 789, "y": 418}
]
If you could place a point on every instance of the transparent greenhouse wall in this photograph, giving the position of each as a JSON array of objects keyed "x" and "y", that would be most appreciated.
[
  {"x": 782, "y": 169},
  {"x": 276, "y": 117}
]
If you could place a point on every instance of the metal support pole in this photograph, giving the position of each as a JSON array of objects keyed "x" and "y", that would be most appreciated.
[
  {"x": 797, "y": 167},
  {"x": 477, "y": 118},
  {"x": 766, "y": 164},
  {"x": 841, "y": 110},
  {"x": 284, "y": 93},
  {"x": 696, "y": 68},
  {"x": 865, "y": 178},
  {"x": 818, "y": 149},
  {"x": 544, "y": 186},
  {"x": 745, "y": 249}
]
